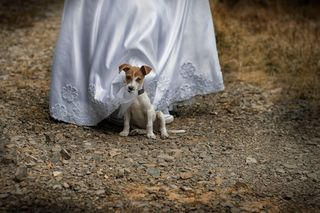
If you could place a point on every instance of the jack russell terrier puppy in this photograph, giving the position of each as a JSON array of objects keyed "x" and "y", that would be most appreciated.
[{"x": 141, "y": 112}]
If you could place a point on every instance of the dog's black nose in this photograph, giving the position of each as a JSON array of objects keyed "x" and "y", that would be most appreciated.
[{"x": 130, "y": 88}]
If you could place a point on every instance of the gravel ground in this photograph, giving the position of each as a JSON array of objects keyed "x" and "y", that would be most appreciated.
[{"x": 242, "y": 152}]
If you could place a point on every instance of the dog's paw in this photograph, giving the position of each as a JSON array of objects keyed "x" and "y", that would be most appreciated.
[
  {"x": 124, "y": 133},
  {"x": 151, "y": 135},
  {"x": 164, "y": 135}
]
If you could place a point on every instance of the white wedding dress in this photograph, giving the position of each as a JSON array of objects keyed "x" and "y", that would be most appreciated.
[{"x": 174, "y": 37}]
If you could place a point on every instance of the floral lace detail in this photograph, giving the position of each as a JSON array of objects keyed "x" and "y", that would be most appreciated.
[
  {"x": 195, "y": 84},
  {"x": 70, "y": 93},
  {"x": 187, "y": 70},
  {"x": 72, "y": 111},
  {"x": 59, "y": 110}
]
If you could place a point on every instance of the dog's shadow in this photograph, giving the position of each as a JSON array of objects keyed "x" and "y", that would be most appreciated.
[{"x": 106, "y": 126}]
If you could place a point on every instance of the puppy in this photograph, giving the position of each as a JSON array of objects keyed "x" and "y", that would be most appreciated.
[{"x": 141, "y": 112}]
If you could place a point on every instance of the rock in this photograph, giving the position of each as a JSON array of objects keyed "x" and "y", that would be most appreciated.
[
  {"x": 154, "y": 172},
  {"x": 57, "y": 186},
  {"x": 56, "y": 148},
  {"x": 57, "y": 173},
  {"x": 100, "y": 192},
  {"x": 251, "y": 160},
  {"x": 10, "y": 145},
  {"x": 66, "y": 185},
  {"x": 186, "y": 175},
  {"x": 65, "y": 154},
  {"x": 186, "y": 188},
  {"x": 280, "y": 170},
  {"x": 173, "y": 186},
  {"x": 165, "y": 157},
  {"x": 289, "y": 166},
  {"x": 21, "y": 173}
]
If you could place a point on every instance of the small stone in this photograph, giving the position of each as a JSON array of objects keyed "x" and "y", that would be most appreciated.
[
  {"x": 280, "y": 170},
  {"x": 165, "y": 157},
  {"x": 31, "y": 164},
  {"x": 57, "y": 173},
  {"x": 65, "y": 154},
  {"x": 186, "y": 175},
  {"x": 250, "y": 160},
  {"x": 289, "y": 166},
  {"x": 57, "y": 186},
  {"x": 154, "y": 172},
  {"x": 100, "y": 192},
  {"x": 66, "y": 185},
  {"x": 10, "y": 145},
  {"x": 100, "y": 172},
  {"x": 87, "y": 143},
  {"x": 173, "y": 186},
  {"x": 56, "y": 148},
  {"x": 186, "y": 188},
  {"x": 21, "y": 173}
]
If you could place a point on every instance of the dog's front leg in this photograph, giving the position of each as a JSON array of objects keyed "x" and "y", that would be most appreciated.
[
  {"x": 150, "y": 117},
  {"x": 126, "y": 125}
]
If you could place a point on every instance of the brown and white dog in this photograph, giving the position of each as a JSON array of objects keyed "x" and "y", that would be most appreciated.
[{"x": 141, "y": 112}]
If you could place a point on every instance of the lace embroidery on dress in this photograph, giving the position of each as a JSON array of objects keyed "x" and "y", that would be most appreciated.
[
  {"x": 72, "y": 111},
  {"x": 195, "y": 84},
  {"x": 70, "y": 93}
]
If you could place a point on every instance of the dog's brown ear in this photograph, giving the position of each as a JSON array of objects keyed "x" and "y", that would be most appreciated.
[
  {"x": 124, "y": 67},
  {"x": 145, "y": 70}
]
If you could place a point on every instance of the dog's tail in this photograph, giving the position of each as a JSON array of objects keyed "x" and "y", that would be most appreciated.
[{"x": 177, "y": 131}]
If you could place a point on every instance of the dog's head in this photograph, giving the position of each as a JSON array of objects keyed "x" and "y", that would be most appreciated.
[{"x": 134, "y": 76}]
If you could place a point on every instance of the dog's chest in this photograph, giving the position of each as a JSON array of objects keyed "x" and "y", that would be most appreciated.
[{"x": 138, "y": 111}]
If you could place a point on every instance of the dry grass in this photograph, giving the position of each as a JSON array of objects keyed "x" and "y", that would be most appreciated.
[{"x": 272, "y": 43}]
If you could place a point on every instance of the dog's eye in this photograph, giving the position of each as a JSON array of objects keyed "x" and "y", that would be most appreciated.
[
  {"x": 128, "y": 78},
  {"x": 138, "y": 79}
]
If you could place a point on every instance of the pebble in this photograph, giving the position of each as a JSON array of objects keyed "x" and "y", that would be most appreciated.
[
  {"x": 57, "y": 173},
  {"x": 66, "y": 185},
  {"x": 280, "y": 170},
  {"x": 186, "y": 188},
  {"x": 65, "y": 154},
  {"x": 289, "y": 166},
  {"x": 154, "y": 172},
  {"x": 100, "y": 192},
  {"x": 56, "y": 148},
  {"x": 251, "y": 160},
  {"x": 186, "y": 175},
  {"x": 57, "y": 186},
  {"x": 173, "y": 186},
  {"x": 21, "y": 173},
  {"x": 165, "y": 157}
]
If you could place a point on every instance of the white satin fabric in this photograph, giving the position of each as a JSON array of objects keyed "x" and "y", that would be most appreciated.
[{"x": 174, "y": 37}]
